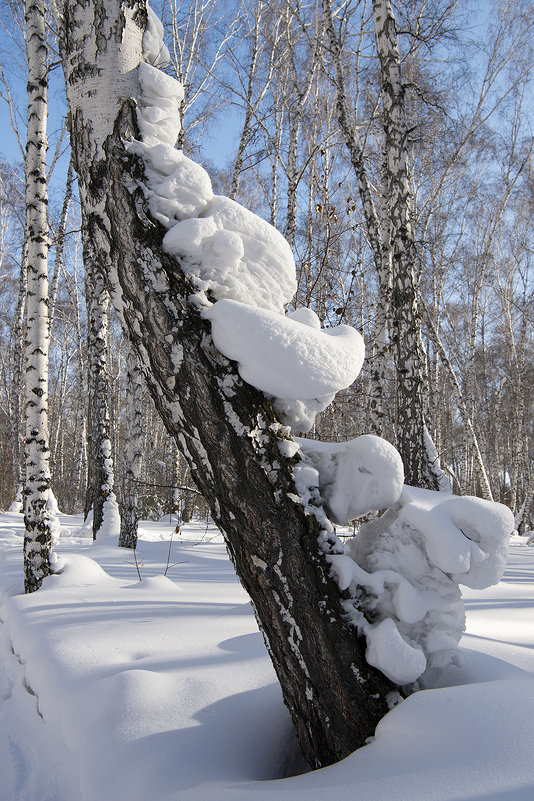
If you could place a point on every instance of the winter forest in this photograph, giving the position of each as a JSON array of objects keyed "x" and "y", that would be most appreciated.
[{"x": 266, "y": 337}]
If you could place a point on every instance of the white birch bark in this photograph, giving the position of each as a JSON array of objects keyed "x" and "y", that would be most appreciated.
[
  {"x": 39, "y": 524},
  {"x": 278, "y": 547}
]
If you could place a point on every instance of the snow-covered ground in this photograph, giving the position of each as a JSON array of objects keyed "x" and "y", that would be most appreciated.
[{"x": 115, "y": 689}]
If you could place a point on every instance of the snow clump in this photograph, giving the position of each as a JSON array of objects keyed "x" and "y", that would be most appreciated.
[
  {"x": 356, "y": 477},
  {"x": 235, "y": 254},
  {"x": 401, "y": 575},
  {"x": 155, "y": 51},
  {"x": 282, "y": 356}
]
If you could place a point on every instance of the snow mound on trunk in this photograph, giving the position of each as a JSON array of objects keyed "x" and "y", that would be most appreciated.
[
  {"x": 405, "y": 568},
  {"x": 282, "y": 356}
]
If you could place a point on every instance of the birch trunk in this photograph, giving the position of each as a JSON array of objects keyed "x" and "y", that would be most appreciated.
[
  {"x": 227, "y": 431},
  {"x": 60, "y": 244},
  {"x": 485, "y": 488},
  {"x": 16, "y": 389},
  {"x": 412, "y": 438},
  {"x": 377, "y": 234},
  {"x": 134, "y": 421},
  {"x": 100, "y": 478},
  {"x": 302, "y": 76},
  {"x": 248, "y": 100},
  {"x": 37, "y": 519}
]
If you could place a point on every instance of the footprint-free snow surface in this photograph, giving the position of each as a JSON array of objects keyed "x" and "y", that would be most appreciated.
[{"x": 115, "y": 689}]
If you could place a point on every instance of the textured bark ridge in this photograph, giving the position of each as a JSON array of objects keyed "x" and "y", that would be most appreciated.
[{"x": 226, "y": 430}]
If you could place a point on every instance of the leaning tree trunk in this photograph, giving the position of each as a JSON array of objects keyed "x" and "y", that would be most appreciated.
[
  {"x": 227, "y": 431},
  {"x": 37, "y": 520}
]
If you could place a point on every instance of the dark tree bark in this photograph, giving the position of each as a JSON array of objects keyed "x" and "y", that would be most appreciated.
[
  {"x": 334, "y": 697},
  {"x": 226, "y": 430},
  {"x": 412, "y": 389},
  {"x": 100, "y": 477},
  {"x": 134, "y": 420}
]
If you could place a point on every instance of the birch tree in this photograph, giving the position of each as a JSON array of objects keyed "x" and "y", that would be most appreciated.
[
  {"x": 377, "y": 236},
  {"x": 100, "y": 476},
  {"x": 15, "y": 405},
  {"x": 252, "y": 95},
  {"x": 390, "y": 234},
  {"x": 195, "y": 55},
  {"x": 12, "y": 285},
  {"x": 134, "y": 421},
  {"x": 413, "y": 436},
  {"x": 37, "y": 519},
  {"x": 227, "y": 430}
]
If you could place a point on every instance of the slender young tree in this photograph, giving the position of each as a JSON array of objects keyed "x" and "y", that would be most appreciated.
[
  {"x": 134, "y": 422},
  {"x": 412, "y": 389},
  {"x": 15, "y": 395},
  {"x": 59, "y": 238},
  {"x": 391, "y": 237},
  {"x": 37, "y": 518},
  {"x": 252, "y": 96},
  {"x": 194, "y": 57}
]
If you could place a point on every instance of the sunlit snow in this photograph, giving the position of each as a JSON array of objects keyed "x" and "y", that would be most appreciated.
[
  {"x": 283, "y": 356},
  {"x": 113, "y": 689}
]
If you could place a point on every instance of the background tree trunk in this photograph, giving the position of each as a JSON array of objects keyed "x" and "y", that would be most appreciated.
[
  {"x": 134, "y": 423},
  {"x": 100, "y": 478},
  {"x": 38, "y": 536},
  {"x": 412, "y": 388},
  {"x": 15, "y": 405}
]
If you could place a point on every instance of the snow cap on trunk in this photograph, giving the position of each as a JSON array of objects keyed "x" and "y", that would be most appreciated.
[
  {"x": 158, "y": 117},
  {"x": 235, "y": 254},
  {"x": 241, "y": 262},
  {"x": 155, "y": 51},
  {"x": 356, "y": 477},
  {"x": 410, "y": 562},
  {"x": 282, "y": 356}
]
